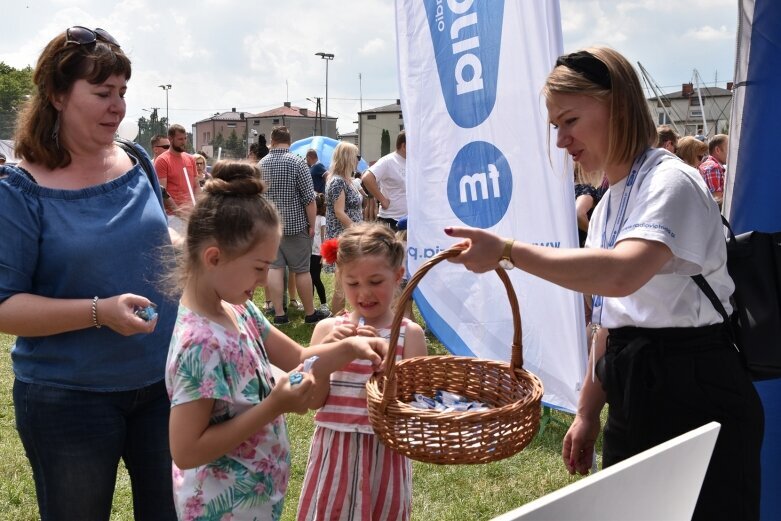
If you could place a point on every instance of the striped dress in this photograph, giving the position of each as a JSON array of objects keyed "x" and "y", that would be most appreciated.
[{"x": 350, "y": 475}]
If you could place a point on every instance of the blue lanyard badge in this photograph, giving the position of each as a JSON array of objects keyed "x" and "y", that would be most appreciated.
[{"x": 609, "y": 242}]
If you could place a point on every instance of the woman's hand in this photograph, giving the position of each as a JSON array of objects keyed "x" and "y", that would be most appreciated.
[
  {"x": 482, "y": 249},
  {"x": 291, "y": 396},
  {"x": 118, "y": 313},
  {"x": 577, "y": 449}
]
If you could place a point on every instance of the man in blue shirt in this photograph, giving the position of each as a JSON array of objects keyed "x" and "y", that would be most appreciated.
[{"x": 317, "y": 170}]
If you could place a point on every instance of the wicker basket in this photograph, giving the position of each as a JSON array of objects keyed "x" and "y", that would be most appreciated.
[{"x": 455, "y": 437}]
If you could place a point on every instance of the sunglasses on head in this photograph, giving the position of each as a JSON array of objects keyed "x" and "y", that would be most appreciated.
[
  {"x": 83, "y": 36},
  {"x": 163, "y": 146}
]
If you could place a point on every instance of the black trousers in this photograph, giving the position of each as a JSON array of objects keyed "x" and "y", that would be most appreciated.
[
  {"x": 661, "y": 383},
  {"x": 317, "y": 284}
]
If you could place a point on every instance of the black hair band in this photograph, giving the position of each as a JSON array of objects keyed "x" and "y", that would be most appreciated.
[{"x": 588, "y": 65}]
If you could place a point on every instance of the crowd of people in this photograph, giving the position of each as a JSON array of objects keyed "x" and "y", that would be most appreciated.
[{"x": 174, "y": 376}]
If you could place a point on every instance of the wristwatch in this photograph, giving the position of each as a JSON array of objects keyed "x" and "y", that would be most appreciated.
[{"x": 506, "y": 262}]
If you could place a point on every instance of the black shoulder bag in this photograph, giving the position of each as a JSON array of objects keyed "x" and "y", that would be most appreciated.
[{"x": 754, "y": 263}]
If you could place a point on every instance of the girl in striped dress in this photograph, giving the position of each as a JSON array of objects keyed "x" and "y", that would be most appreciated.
[{"x": 350, "y": 474}]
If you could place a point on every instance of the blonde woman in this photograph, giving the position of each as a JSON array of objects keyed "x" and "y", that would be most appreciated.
[
  {"x": 200, "y": 164},
  {"x": 691, "y": 150},
  {"x": 343, "y": 203}
]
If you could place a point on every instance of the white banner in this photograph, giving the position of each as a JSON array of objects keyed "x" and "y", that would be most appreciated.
[{"x": 478, "y": 154}]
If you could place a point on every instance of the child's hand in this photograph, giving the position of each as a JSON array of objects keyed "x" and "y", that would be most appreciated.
[
  {"x": 369, "y": 348},
  {"x": 293, "y": 391},
  {"x": 364, "y": 330},
  {"x": 341, "y": 332}
]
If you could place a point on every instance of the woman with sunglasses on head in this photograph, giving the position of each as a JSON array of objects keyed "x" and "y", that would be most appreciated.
[
  {"x": 84, "y": 236},
  {"x": 668, "y": 365}
]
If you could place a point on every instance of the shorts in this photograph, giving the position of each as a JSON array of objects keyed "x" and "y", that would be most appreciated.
[{"x": 294, "y": 252}]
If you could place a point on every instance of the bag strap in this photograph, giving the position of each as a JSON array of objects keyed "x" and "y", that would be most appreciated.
[
  {"x": 146, "y": 165},
  {"x": 142, "y": 159},
  {"x": 706, "y": 288}
]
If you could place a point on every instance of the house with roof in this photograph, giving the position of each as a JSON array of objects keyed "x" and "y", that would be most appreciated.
[
  {"x": 372, "y": 122},
  {"x": 690, "y": 110},
  {"x": 249, "y": 127}
]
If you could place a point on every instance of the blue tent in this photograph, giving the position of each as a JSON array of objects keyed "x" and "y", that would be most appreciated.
[{"x": 324, "y": 146}]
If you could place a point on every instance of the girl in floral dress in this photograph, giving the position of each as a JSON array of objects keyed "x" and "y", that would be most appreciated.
[
  {"x": 350, "y": 475},
  {"x": 227, "y": 434}
]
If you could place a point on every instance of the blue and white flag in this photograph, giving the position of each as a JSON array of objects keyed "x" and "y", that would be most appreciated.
[
  {"x": 479, "y": 154},
  {"x": 753, "y": 184}
]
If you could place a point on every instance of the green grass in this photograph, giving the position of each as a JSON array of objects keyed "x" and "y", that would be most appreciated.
[{"x": 452, "y": 492}]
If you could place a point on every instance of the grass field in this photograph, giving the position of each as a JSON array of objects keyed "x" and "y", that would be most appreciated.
[{"x": 446, "y": 493}]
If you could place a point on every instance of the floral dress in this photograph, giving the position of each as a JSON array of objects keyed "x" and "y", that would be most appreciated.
[
  {"x": 353, "y": 207},
  {"x": 207, "y": 361}
]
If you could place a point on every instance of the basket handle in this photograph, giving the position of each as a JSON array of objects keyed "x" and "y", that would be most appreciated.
[{"x": 516, "y": 360}]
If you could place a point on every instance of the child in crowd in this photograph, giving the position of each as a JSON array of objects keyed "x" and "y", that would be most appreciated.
[
  {"x": 350, "y": 474},
  {"x": 315, "y": 262},
  {"x": 227, "y": 434}
]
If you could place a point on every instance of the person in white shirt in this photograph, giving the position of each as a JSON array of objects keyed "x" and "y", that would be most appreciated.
[
  {"x": 669, "y": 365},
  {"x": 386, "y": 180}
]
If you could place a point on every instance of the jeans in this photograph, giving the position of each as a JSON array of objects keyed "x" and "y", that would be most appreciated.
[{"x": 75, "y": 439}]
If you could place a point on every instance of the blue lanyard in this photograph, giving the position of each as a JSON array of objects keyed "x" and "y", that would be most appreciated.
[{"x": 609, "y": 243}]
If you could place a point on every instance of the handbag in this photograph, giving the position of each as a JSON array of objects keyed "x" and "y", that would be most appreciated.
[{"x": 754, "y": 263}]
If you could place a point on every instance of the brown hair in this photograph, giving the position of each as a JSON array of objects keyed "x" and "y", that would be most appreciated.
[
  {"x": 59, "y": 66},
  {"x": 666, "y": 133},
  {"x": 690, "y": 150},
  {"x": 401, "y": 139},
  {"x": 631, "y": 128},
  {"x": 716, "y": 141},
  {"x": 175, "y": 129},
  {"x": 364, "y": 239},
  {"x": 230, "y": 212},
  {"x": 280, "y": 135},
  {"x": 157, "y": 139}
]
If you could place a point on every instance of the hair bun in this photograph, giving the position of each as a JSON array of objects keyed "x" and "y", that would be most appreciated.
[{"x": 235, "y": 179}]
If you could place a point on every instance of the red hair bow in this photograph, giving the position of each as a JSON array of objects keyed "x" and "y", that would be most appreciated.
[{"x": 329, "y": 249}]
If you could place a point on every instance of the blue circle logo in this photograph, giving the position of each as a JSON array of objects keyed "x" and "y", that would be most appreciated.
[{"x": 480, "y": 185}]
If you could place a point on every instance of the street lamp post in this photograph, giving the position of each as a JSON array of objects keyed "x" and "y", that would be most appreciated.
[
  {"x": 327, "y": 57},
  {"x": 166, "y": 88}
]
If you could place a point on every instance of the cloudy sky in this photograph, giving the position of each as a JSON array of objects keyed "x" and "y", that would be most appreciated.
[{"x": 254, "y": 55}]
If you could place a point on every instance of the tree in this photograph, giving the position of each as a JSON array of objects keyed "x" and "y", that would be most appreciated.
[
  {"x": 148, "y": 128},
  {"x": 15, "y": 87},
  {"x": 234, "y": 145},
  {"x": 385, "y": 143},
  {"x": 217, "y": 142}
]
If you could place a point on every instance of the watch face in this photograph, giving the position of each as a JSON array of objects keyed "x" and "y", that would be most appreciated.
[{"x": 506, "y": 264}]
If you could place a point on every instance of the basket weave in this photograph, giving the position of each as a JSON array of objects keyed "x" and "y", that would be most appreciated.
[{"x": 455, "y": 437}]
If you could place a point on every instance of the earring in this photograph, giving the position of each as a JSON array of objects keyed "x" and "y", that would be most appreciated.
[{"x": 56, "y": 131}]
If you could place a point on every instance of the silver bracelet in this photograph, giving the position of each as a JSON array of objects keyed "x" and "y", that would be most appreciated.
[{"x": 95, "y": 313}]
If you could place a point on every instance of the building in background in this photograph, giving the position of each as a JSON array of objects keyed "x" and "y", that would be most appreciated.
[
  {"x": 682, "y": 110},
  {"x": 372, "y": 122},
  {"x": 217, "y": 131}
]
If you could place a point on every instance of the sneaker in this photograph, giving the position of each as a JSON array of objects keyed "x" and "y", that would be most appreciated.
[
  {"x": 268, "y": 309},
  {"x": 296, "y": 305},
  {"x": 324, "y": 308},
  {"x": 281, "y": 319},
  {"x": 317, "y": 316}
]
